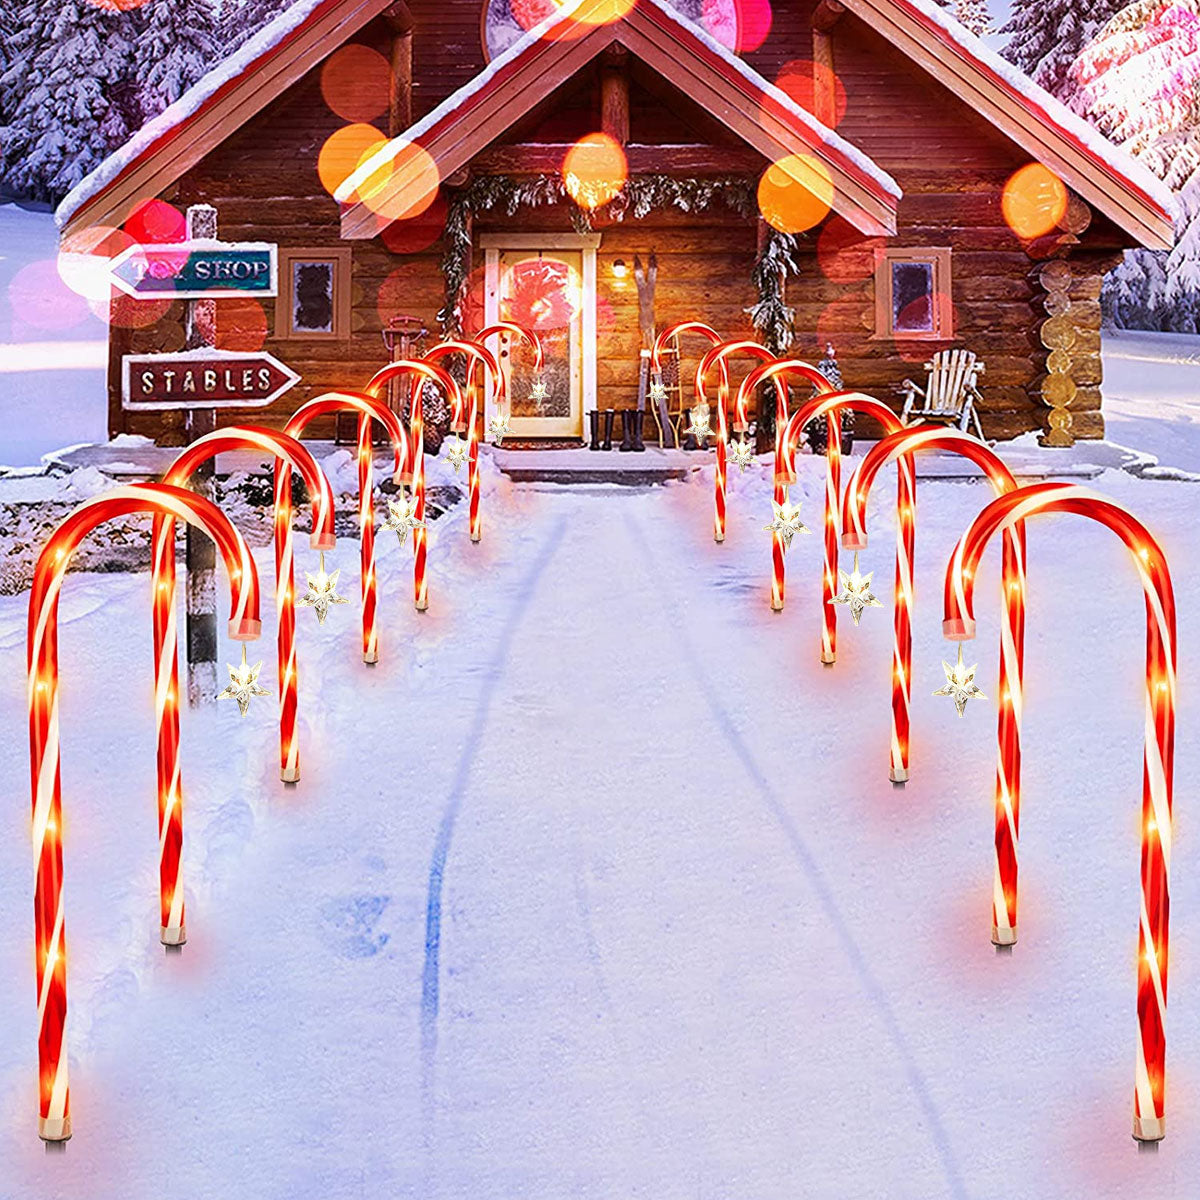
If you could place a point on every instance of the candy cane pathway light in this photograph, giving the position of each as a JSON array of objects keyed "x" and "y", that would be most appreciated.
[
  {"x": 777, "y": 371},
  {"x": 367, "y": 408},
  {"x": 54, "y": 1112},
  {"x": 1012, "y": 638},
  {"x": 421, "y": 372},
  {"x": 1004, "y": 513},
  {"x": 499, "y": 425},
  {"x": 716, "y": 357},
  {"x": 482, "y": 358},
  {"x": 284, "y": 450}
]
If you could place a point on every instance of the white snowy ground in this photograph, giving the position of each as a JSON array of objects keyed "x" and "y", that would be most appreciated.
[{"x": 596, "y": 887}]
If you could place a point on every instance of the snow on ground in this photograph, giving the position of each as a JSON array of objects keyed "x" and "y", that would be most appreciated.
[
  {"x": 53, "y": 348},
  {"x": 596, "y": 887}
]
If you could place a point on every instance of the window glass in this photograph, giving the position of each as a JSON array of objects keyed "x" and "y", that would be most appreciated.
[
  {"x": 312, "y": 297},
  {"x": 912, "y": 297}
]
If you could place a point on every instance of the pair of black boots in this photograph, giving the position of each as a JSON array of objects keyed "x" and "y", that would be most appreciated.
[{"x": 631, "y": 429}]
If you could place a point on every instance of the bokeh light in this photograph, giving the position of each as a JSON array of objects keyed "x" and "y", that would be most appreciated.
[
  {"x": 740, "y": 25},
  {"x": 1034, "y": 201},
  {"x": 156, "y": 222},
  {"x": 541, "y": 293},
  {"x": 241, "y": 324},
  {"x": 404, "y": 186},
  {"x": 802, "y": 80},
  {"x": 844, "y": 254},
  {"x": 124, "y": 312},
  {"x": 356, "y": 83},
  {"x": 118, "y": 5},
  {"x": 795, "y": 193},
  {"x": 84, "y": 257},
  {"x": 594, "y": 170},
  {"x": 343, "y": 151},
  {"x": 41, "y": 300},
  {"x": 529, "y": 13},
  {"x": 416, "y": 234}
]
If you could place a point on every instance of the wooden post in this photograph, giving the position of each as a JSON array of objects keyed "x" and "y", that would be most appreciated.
[
  {"x": 400, "y": 24},
  {"x": 200, "y": 324},
  {"x": 614, "y": 96}
]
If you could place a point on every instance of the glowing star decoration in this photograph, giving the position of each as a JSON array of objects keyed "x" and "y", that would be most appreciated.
[
  {"x": 243, "y": 683},
  {"x": 742, "y": 454},
  {"x": 960, "y": 683},
  {"x": 787, "y": 522},
  {"x": 403, "y": 518},
  {"x": 539, "y": 391},
  {"x": 856, "y": 592},
  {"x": 699, "y": 428},
  {"x": 658, "y": 390},
  {"x": 457, "y": 453},
  {"x": 322, "y": 592},
  {"x": 498, "y": 427}
]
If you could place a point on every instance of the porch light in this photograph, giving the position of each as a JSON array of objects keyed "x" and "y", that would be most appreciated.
[{"x": 619, "y": 269}]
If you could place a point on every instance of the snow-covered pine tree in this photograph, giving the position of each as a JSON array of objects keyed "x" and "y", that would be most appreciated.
[
  {"x": 179, "y": 44},
  {"x": 242, "y": 19},
  {"x": 67, "y": 87},
  {"x": 1137, "y": 82},
  {"x": 1047, "y": 35},
  {"x": 973, "y": 14}
]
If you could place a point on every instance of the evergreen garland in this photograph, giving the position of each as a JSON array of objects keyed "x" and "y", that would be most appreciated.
[{"x": 640, "y": 196}]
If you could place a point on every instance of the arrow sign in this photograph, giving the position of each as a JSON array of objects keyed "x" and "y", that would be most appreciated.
[
  {"x": 199, "y": 270},
  {"x": 203, "y": 378}
]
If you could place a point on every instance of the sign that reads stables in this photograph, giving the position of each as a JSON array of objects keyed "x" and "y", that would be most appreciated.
[
  {"x": 203, "y": 379},
  {"x": 198, "y": 270}
]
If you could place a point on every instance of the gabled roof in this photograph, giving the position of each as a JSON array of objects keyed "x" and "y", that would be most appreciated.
[
  {"x": 241, "y": 86},
  {"x": 1107, "y": 177},
  {"x": 685, "y": 55}
]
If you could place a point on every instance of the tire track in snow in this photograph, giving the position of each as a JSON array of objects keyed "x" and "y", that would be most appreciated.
[
  {"x": 493, "y": 672},
  {"x": 872, "y": 988}
]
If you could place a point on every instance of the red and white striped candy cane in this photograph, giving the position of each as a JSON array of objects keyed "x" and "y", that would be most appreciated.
[
  {"x": 785, "y": 475},
  {"x": 421, "y": 372},
  {"x": 367, "y": 408},
  {"x": 285, "y": 451},
  {"x": 717, "y": 357},
  {"x": 901, "y": 445},
  {"x": 479, "y": 357},
  {"x": 54, "y": 1111},
  {"x": 1004, "y": 513},
  {"x": 510, "y": 329}
]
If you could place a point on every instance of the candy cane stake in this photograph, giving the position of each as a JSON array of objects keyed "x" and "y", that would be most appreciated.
[
  {"x": 482, "y": 358},
  {"x": 777, "y": 371},
  {"x": 421, "y": 372},
  {"x": 512, "y": 329},
  {"x": 1012, "y": 638},
  {"x": 54, "y": 1112},
  {"x": 1004, "y": 513},
  {"x": 716, "y": 357},
  {"x": 367, "y": 408},
  {"x": 283, "y": 449}
]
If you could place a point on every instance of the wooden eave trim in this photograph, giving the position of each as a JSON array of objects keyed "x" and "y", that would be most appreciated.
[
  {"x": 994, "y": 98},
  {"x": 753, "y": 116},
  {"x": 226, "y": 111}
]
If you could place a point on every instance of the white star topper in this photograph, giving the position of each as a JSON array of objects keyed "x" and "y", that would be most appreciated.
[
  {"x": 742, "y": 454},
  {"x": 658, "y": 392},
  {"x": 699, "y": 428},
  {"x": 787, "y": 522},
  {"x": 403, "y": 518},
  {"x": 243, "y": 683},
  {"x": 539, "y": 391},
  {"x": 498, "y": 427},
  {"x": 456, "y": 453},
  {"x": 960, "y": 683},
  {"x": 856, "y": 592}
]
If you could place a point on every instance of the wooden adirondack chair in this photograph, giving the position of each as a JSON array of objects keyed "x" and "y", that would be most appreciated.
[{"x": 950, "y": 392}]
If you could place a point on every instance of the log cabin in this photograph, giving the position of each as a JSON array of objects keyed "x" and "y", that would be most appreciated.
[{"x": 408, "y": 159}]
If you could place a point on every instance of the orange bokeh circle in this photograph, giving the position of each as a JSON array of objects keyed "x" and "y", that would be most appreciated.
[
  {"x": 795, "y": 193},
  {"x": 343, "y": 151},
  {"x": 416, "y": 234},
  {"x": 356, "y": 83},
  {"x": 1034, "y": 200},
  {"x": 802, "y": 80},
  {"x": 403, "y": 186},
  {"x": 594, "y": 170}
]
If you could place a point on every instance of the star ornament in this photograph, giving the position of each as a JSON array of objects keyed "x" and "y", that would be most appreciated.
[
  {"x": 243, "y": 684},
  {"x": 742, "y": 454},
  {"x": 402, "y": 518},
  {"x": 960, "y": 683},
  {"x": 787, "y": 522},
  {"x": 856, "y": 592},
  {"x": 658, "y": 391},
  {"x": 456, "y": 453},
  {"x": 699, "y": 428},
  {"x": 539, "y": 391},
  {"x": 498, "y": 427},
  {"x": 322, "y": 592}
]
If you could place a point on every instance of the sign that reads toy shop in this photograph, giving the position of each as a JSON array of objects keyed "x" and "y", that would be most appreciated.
[
  {"x": 200, "y": 270},
  {"x": 204, "y": 379}
]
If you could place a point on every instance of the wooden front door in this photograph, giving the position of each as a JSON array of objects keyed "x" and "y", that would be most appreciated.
[{"x": 544, "y": 292}]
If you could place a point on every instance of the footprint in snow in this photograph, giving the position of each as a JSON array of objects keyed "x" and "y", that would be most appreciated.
[{"x": 348, "y": 924}]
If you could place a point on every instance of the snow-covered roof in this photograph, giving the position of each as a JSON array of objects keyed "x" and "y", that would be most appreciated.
[
  {"x": 273, "y": 38},
  {"x": 545, "y": 32}
]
